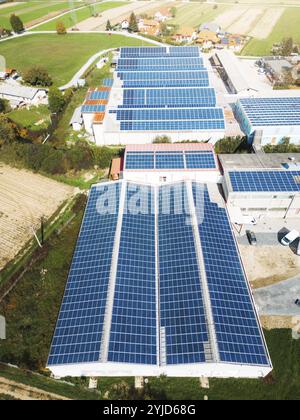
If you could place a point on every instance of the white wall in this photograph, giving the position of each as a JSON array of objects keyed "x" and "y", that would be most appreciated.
[
  {"x": 123, "y": 138},
  {"x": 156, "y": 177}
]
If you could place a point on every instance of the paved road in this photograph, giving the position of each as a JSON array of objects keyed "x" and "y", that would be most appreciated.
[{"x": 279, "y": 299}]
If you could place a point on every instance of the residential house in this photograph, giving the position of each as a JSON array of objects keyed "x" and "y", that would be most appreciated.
[
  {"x": 149, "y": 27},
  {"x": 232, "y": 41},
  {"x": 185, "y": 35},
  {"x": 77, "y": 120},
  {"x": 162, "y": 15},
  {"x": 125, "y": 25},
  {"x": 207, "y": 39},
  {"x": 18, "y": 94}
]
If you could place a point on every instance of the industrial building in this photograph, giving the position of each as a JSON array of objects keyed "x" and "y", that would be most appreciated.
[
  {"x": 262, "y": 185},
  {"x": 157, "y": 287},
  {"x": 157, "y": 163},
  {"x": 156, "y": 91},
  {"x": 268, "y": 120}
]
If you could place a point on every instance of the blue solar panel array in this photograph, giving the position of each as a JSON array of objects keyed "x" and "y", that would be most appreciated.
[
  {"x": 238, "y": 332},
  {"x": 99, "y": 94},
  {"x": 149, "y": 52},
  {"x": 158, "y": 283},
  {"x": 171, "y": 98},
  {"x": 92, "y": 108},
  {"x": 271, "y": 111},
  {"x": 78, "y": 333},
  {"x": 168, "y": 160},
  {"x": 277, "y": 181},
  {"x": 182, "y": 313},
  {"x": 133, "y": 330},
  {"x": 182, "y": 100}
]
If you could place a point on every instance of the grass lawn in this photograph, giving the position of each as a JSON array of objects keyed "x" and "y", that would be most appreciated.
[
  {"x": 63, "y": 55},
  {"x": 82, "y": 14},
  {"x": 193, "y": 15},
  {"x": 35, "y": 118},
  {"x": 287, "y": 26},
  {"x": 31, "y": 10}
]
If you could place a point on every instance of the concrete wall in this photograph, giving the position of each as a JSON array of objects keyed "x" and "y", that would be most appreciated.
[{"x": 169, "y": 176}]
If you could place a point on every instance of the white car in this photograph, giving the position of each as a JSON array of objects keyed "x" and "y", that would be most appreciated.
[{"x": 290, "y": 237}]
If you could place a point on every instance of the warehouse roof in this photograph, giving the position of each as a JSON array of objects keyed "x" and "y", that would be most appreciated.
[{"x": 149, "y": 293}]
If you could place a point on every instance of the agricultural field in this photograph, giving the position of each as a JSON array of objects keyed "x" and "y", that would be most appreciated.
[
  {"x": 67, "y": 60},
  {"x": 35, "y": 118},
  {"x": 32, "y": 11},
  {"x": 23, "y": 203},
  {"x": 192, "y": 15},
  {"x": 286, "y": 26},
  {"x": 77, "y": 16}
]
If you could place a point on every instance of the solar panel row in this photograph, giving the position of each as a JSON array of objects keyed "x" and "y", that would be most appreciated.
[
  {"x": 144, "y": 52},
  {"x": 172, "y": 125},
  {"x": 142, "y": 304},
  {"x": 261, "y": 181}
]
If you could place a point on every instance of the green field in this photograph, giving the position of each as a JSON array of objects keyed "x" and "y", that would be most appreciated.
[
  {"x": 35, "y": 118},
  {"x": 193, "y": 15},
  {"x": 31, "y": 10},
  {"x": 287, "y": 26},
  {"x": 64, "y": 55},
  {"x": 70, "y": 20}
]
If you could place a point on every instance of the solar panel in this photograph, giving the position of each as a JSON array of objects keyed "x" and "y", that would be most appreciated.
[
  {"x": 169, "y": 161},
  {"x": 260, "y": 181},
  {"x": 139, "y": 161},
  {"x": 200, "y": 160},
  {"x": 169, "y": 114},
  {"x": 78, "y": 333},
  {"x": 172, "y": 125},
  {"x": 149, "y": 52},
  {"x": 182, "y": 317},
  {"x": 133, "y": 329},
  {"x": 92, "y": 108},
  {"x": 159, "y": 64},
  {"x": 108, "y": 82},
  {"x": 99, "y": 94},
  {"x": 238, "y": 333}
]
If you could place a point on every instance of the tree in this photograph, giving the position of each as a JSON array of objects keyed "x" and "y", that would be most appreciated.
[
  {"x": 56, "y": 100},
  {"x": 8, "y": 132},
  {"x": 37, "y": 75},
  {"x": 133, "y": 25},
  {"x": 287, "y": 46},
  {"x": 173, "y": 11},
  {"x": 108, "y": 26},
  {"x": 162, "y": 139},
  {"x": 4, "y": 106},
  {"x": 228, "y": 145},
  {"x": 16, "y": 24},
  {"x": 60, "y": 28}
]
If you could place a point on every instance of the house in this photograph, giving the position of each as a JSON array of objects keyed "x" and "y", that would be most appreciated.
[
  {"x": 125, "y": 25},
  {"x": 76, "y": 120},
  {"x": 162, "y": 15},
  {"x": 207, "y": 39},
  {"x": 148, "y": 27},
  {"x": 277, "y": 68},
  {"x": 210, "y": 26},
  {"x": 185, "y": 35},
  {"x": 18, "y": 94},
  {"x": 7, "y": 73},
  {"x": 232, "y": 42}
]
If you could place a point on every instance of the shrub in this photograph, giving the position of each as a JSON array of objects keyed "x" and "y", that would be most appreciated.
[{"x": 37, "y": 76}]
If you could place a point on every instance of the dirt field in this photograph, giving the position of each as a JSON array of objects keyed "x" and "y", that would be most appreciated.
[
  {"x": 265, "y": 25},
  {"x": 267, "y": 265},
  {"x": 256, "y": 21},
  {"x": 280, "y": 322},
  {"x": 25, "y": 197},
  {"x": 118, "y": 14},
  {"x": 5, "y": 5}
]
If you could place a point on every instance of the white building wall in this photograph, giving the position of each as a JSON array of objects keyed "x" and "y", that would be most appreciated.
[
  {"x": 210, "y": 370},
  {"x": 169, "y": 176},
  {"x": 274, "y": 135},
  {"x": 88, "y": 122},
  {"x": 133, "y": 137}
]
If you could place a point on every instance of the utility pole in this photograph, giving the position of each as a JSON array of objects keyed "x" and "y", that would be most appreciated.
[{"x": 42, "y": 230}]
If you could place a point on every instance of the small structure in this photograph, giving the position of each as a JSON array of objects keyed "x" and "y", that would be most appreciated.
[
  {"x": 116, "y": 169},
  {"x": 125, "y": 25},
  {"x": 277, "y": 68},
  {"x": 232, "y": 42},
  {"x": 7, "y": 73},
  {"x": 185, "y": 35},
  {"x": 76, "y": 120}
]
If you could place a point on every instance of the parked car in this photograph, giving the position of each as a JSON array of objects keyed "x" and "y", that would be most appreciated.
[
  {"x": 290, "y": 237},
  {"x": 251, "y": 237},
  {"x": 297, "y": 302}
]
